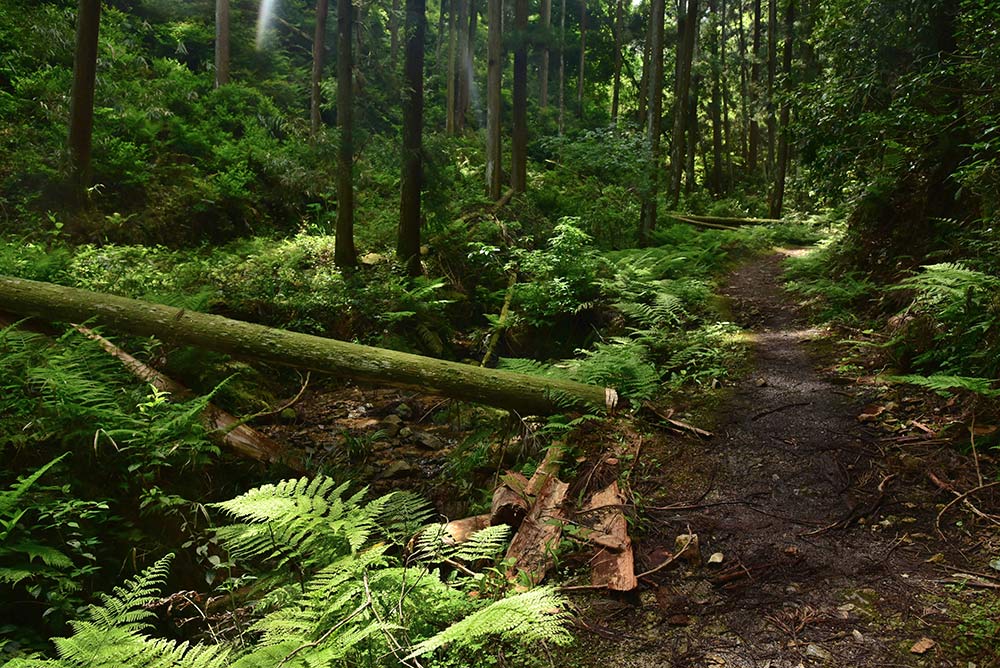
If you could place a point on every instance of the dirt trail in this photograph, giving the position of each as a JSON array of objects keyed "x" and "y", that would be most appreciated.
[{"x": 823, "y": 564}]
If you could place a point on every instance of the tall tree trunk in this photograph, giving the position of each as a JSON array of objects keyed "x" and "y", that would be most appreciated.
[
  {"x": 583, "y": 59},
  {"x": 442, "y": 30},
  {"x": 617, "y": 85},
  {"x": 394, "y": 35},
  {"x": 655, "y": 117},
  {"x": 464, "y": 66},
  {"x": 344, "y": 254},
  {"x": 641, "y": 114},
  {"x": 772, "y": 62},
  {"x": 754, "y": 138},
  {"x": 781, "y": 169},
  {"x": 319, "y": 49},
  {"x": 519, "y": 134},
  {"x": 451, "y": 102},
  {"x": 726, "y": 101},
  {"x": 494, "y": 66},
  {"x": 543, "y": 71},
  {"x": 221, "y": 42},
  {"x": 744, "y": 89},
  {"x": 408, "y": 246},
  {"x": 687, "y": 23},
  {"x": 562, "y": 68},
  {"x": 693, "y": 135},
  {"x": 81, "y": 108},
  {"x": 715, "y": 105}
]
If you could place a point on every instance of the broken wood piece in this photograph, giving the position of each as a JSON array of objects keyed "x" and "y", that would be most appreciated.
[
  {"x": 679, "y": 424},
  {"x": 459, "y": 531},
  {"x": 549, "y": 468},
  {"x": 611, "y": 568},
  {"x": 509, "y": 503},
  {"x": 532, "y": 551}
]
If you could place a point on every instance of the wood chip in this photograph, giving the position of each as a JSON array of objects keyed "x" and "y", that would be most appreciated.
[{"x": 922, "y": 646}]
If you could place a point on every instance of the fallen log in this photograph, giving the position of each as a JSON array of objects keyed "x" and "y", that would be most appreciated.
[
  {"x": 528, "y": 395},
  {"x": 532, "y": 551},
  {"x": 701, "y": 223},
  {"x": 723, "y": 220},
  {"x": 614, "y": 565}
]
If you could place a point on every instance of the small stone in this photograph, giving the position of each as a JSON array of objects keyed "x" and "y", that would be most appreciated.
[
  {"x": 399, "y": 469},
  {"x": 288, "y": 415},
  {"x": 716, "y": 558},
  {"x": 391, "y": 425},
  {"x": 761, "y": 382},
  {"x": 857, "y": 635},
  {"x": 922, "y": 646},
  {"x": 405, "y": 432},
  {"x": 935, "y": 559},
  {"x": 429, "y": 441},
  {"x": 817, "y": 652},
  {"x": 404, "y": 411},
  {"x": 686, "y": 546}
]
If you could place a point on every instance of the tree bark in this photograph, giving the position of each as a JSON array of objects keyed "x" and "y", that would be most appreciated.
[
  {"x": 494, "y": 68},
  {"x": 543, "y": 70},
  {"x": 319, "y": 49},
  {"x": 614, "y": 565},
  {"x": 532, "y": 551},
  {"x": 344, "y": 254},
  {"x": 685, "y": 56},
  {"x": 562, "y": 68},
  {"x": 715, "y": 106},
  {"x": 772, "y": 58},
  {"x": 583, "y": 59},
  {"x": 778, "y": 194},
  {"x": 408, "y": 246},
  {"x": 617, "y": 83},
  {"x": 504, "y": 389},
  {"x": 519, "y": 133},
  {"x": 394, "y": 35},
  {"x": 81, "y": 108},
  {"x": 451, "y": 101},
  {"x": 744, "y": 88},
  {"x": 655, "y": 115},
  {"x": 726, "y": 100},
  {"x": 221, "y": 42},
  {"x": 693, "y": 135},
  {"x": 641, "y": 113},
  {"x": 464, "y": 67},
  {"x": 754, "y": 138}
]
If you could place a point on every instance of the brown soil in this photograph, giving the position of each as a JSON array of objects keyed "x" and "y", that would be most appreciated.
[{"x": 826, "y": 527}]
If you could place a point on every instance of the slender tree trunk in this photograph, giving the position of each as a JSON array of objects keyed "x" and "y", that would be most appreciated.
[
  {"x": 562, "y": 68},
  {"x": 451, "y": 102},
  {"x": 494, "y": 169},
  {"x": 81, "y": 108},
  {"x": 744, "y": 88},
  {"x": 616, "y": 86},
  {"x": 442, "y": 30},
  {"x": 685, "y": 55},
  {"x": 583, "y": 59},
  {"x": 394, "y": 35},
  {"x": 726, "y": 101},
  {"x": 221, "y": 42},
  {"x": 519, "y": 134},
  {"x": 772, "y": 58},
  {"x": 778, "y": 195},
  {"x": 641, "y": 115},
  {"x": 754, "y": 148},
  {"x": 693, "y": 134},
  {"x": 655, "y": 117},
  {"x": 715, "y": 105},
  {"x": 408, "y": 246},
  {"x": 464, "y": 66},
  {"x": 319, "y": 48},
  {"x": 543, "y": 71},
  {"x": 344, "y": 254}
]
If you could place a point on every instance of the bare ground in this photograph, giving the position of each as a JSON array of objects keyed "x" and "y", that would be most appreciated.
[{"x": 830, "y": 554}]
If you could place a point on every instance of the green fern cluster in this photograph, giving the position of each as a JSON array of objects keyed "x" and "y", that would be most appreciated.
[{"x": 341, "y": 590}]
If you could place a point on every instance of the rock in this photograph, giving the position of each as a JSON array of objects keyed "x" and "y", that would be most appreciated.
[
  {"x": 404, "y": 411},
  {"x": 716, "y": 558},
  {"x": 817, "y": 652},
  {"x": 399, "y": 469},
  {"x": 922, "y": 646},
  {"x": 405, "y": 432},
  {"x": 428, "y": 440},
  {"x": 370, "y": 259},
  {"x": 391, "y": 425},
  {"x": 686, "y": 547},
  {"x": 857, "y": 635}
]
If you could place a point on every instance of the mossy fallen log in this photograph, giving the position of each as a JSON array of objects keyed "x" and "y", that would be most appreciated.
[
  {"x": 528, "y": 395},
  {"x": 720, "y": 221}
]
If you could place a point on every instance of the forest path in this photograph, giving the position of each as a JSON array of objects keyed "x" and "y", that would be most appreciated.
[{"x": 824, "y": 544}]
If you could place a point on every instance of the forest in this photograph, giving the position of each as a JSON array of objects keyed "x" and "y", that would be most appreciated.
[{"x": 379, "y": 333}]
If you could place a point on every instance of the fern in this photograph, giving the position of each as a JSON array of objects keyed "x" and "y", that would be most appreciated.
[{"x": 943, "y": 384}]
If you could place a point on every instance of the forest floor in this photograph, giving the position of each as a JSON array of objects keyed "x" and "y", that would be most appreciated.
[{"x": 824, "y": 513}]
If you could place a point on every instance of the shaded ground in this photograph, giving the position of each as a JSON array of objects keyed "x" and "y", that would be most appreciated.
[{"x": 826, "y": 531}]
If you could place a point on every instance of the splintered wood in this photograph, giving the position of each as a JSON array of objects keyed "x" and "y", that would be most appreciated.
[
  {"x": 534, "y": 546},
  {"x": 510, "y": 504},
  {"x": 613, "y": 566}
]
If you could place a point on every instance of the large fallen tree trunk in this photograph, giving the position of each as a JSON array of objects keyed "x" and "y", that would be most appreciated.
[
  {"x": 518, "y": 392},
  {"x": 722, "y": 220}
]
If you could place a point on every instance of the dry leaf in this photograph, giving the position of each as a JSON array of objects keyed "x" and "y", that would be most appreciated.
[{"x": 922, "y": 646}]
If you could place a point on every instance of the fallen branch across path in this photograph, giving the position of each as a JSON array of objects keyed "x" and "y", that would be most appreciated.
[{"x": 527, "y": 395}]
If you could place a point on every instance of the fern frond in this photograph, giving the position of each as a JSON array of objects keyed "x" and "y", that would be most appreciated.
[
  {"x": 943, "y": 384},
  {"x": 533, "y": 616}
]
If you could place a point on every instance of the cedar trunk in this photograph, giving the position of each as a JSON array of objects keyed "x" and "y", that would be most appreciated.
[
  {"x": 616, "y": 86},
  {"x": 778, "y": 195},
  {"x": 344, "y": 254},
  {"x": 754, "y": 139},
  {"x": 655, "y": 116},
  {"x": 494, "y": 65},
  {"x": 81, "y": 108},
  {"x": 687, "y": 23},
  {"x": 319, "y": 48},
  {"x": 408, "y": 246},
  {"x": 513, "y": 391},
  {"x": 519, "y": 133},
  {"x": 772, "y": 58},
  {"x": 543, "y": 70},
  {"x": 583, "y": 58},
  {"x": 715, "y": 106},
  {"x": 221, "y": 42}
]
